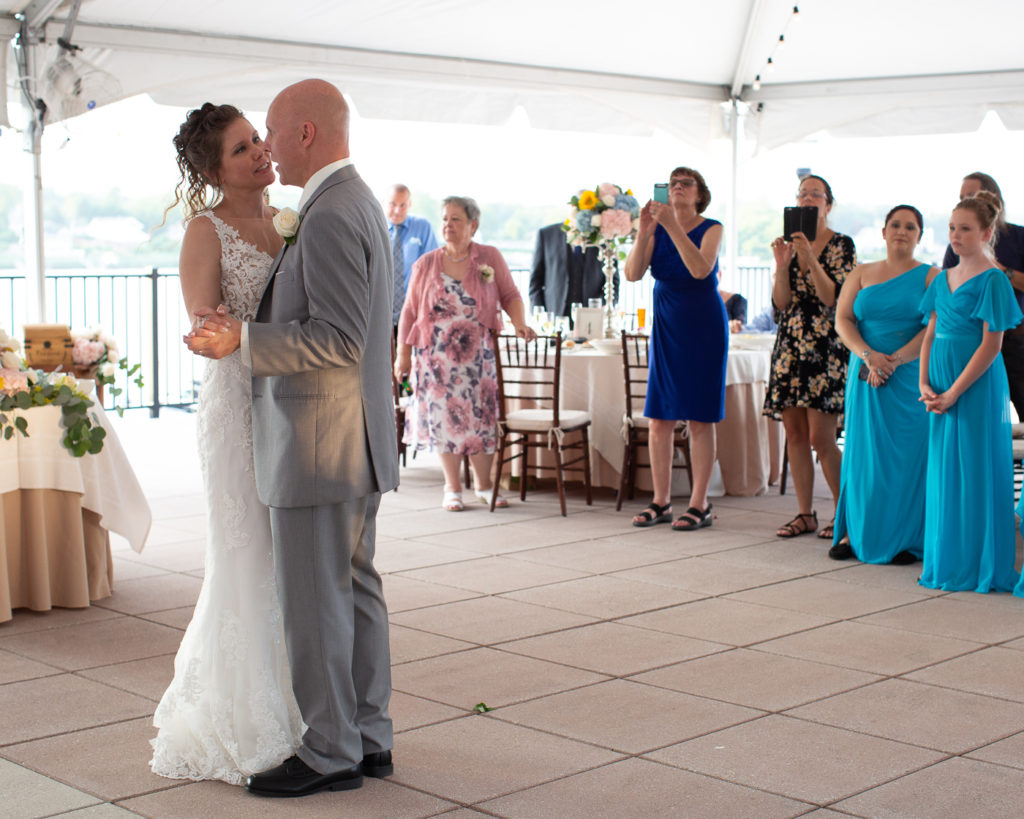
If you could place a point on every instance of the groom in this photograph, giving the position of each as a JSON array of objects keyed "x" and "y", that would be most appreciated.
[{"x": 324, "y": 442}]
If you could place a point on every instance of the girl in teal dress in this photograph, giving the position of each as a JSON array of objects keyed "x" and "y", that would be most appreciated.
[
  {"x": 969, "y": 532},
  {"x": 880, "y": 514}
]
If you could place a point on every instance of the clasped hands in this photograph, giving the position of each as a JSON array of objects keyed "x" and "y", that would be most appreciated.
[
  {"x": 214, "y": 334},
  {"x": 938, "y": 403},
  {"x": 879, "y": 372}
]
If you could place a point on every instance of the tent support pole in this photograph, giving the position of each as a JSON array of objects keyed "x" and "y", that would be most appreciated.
[
  {"x": 35, "y": 255},
  {"x": 733, "y": 255}
]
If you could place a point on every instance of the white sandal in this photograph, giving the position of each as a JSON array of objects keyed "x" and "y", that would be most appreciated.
[
  {"x": 485, "y": 496},
  {"x": 452, "y": 502}
]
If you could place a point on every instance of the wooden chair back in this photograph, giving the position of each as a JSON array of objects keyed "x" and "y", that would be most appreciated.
[
  {"x": 635, "y": 348},
  {"x": 528, "y": 371}
]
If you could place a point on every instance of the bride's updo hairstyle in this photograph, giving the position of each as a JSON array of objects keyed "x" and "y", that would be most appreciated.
[
  {"x": 198, "y": 143},
  {"x": 986, "y": 206}
]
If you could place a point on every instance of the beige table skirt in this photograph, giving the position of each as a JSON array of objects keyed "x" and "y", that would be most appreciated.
[{"x": 52, "y": 552}]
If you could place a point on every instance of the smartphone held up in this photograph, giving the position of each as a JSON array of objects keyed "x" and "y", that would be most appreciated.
[{"x": 800, "y": 219}]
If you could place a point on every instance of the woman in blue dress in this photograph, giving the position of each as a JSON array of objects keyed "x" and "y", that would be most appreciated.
[
  {"x": 969, "y": 532},
  {"x": 880, "y": 514},
  {"x": 689, "y": 341}
]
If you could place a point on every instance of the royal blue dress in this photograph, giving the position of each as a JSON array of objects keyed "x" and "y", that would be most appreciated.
[
  {"x": 881, "y": 494},
  {"x": 689, "y": 337},
  {"x": 969, "y": 532}
]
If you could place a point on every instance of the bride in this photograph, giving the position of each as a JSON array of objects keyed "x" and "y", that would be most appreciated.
[{"x": 229, "y": 711}]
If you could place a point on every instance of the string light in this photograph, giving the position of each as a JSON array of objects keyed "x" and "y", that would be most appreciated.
[{"x": 780, "y": 44}]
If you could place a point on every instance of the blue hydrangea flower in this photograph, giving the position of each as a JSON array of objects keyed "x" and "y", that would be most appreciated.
[{"x": 626, "y": 202}]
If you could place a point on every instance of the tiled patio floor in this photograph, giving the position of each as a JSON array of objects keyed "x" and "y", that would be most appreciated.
[{"x": 632, "y": 673}]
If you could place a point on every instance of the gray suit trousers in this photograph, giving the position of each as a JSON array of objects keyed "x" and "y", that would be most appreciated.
[{"x": 336, "y": 629}]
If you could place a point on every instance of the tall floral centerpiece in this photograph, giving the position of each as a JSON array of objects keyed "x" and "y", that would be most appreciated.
[
  {"x": 22, "y": 389},
  {"x": 605, "y": 217}
]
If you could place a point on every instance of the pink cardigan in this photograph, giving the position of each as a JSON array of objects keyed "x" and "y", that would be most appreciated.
[{"x": 416, "y": 325}]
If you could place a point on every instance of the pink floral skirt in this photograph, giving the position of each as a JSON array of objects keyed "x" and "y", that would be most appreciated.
[{"x": 455, "y": 386}]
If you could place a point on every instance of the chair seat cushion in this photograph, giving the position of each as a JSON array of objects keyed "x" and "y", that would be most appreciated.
[
  {"x": 645, "y": 423},
  {"x": 538, "y": 420}
]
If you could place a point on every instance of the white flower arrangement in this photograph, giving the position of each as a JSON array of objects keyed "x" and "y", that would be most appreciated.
[
  {"x": 486, "y": 273},
  {"x": 95, "y": 353},
  {"x": 606, "y": 214}
]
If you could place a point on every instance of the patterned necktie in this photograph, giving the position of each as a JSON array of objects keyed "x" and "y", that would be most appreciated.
[{"x": 399, "y": 261}]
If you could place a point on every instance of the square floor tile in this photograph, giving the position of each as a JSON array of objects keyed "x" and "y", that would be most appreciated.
[
  {"x": 869, "y": 648},
  {"x": 495, "y": 678},
  {"x": 148, "y": 678},
  {"x": 951, "y": 721},
  {"x": 402, "y": 593},
  {"x": 478, "y": 757},
  {"x": 595, "y": 556},
  {"x": 410, "y": 644},
  {"x": 56, "y": 705},
  {"x": 611, "y": 648},
  {"x": 955, "y": 618},
  {"x": 881, "y": 576},
  {"x": 164, "y": 591},
  {"x": 493, "y": 575},
  {"x": 828, "y": 598},
  {"x": 377, "y": 799},
  {"x": 705, "y": 576},
  {"x": 28, "y": 794},
  {"x": 175, "y": 618},
  {"x": 1009, "y": 751},
  {"x": 408, "y": 712},
  {"x": 111, "y": 761},
  {"x": 803, "y": 555},
  {"x": 756, "y": 679},
  {"x": 604, "y": 596},
  {"x": 801, "y": 760},
  {"x": 996, "y": 672},
  {"x": 101, "y": 643},
  {"x": 626, "y": 716},
  {"x": 956, "y": 787},
  {"x": 14, "y": 668},
  {"x": 402, "y": 555},
  {"x": 487, "y": 620},
  {"x": 727, "y": 621},
  {"x": 25, "y": 620},
  {"x": 641, "y": 788}
]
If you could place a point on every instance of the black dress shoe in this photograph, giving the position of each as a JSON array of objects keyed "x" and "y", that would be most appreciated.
[
  {"x": 378, "y": 764},
  {"x": 904, "y": 558},
  {"x": 293, "y": 777},
  {"x": 841, "y": 551}
]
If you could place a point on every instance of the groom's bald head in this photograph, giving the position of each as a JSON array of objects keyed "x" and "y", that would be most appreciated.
[{"x": 307, "y": 128}]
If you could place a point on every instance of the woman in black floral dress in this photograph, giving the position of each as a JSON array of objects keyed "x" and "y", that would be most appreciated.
[{"x": 806, "y": 386}]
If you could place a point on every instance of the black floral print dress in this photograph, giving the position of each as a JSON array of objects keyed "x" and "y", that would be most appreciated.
[{"x": 809, "y": 360}]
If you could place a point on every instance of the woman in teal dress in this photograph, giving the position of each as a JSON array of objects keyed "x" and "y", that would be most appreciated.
[
  {"x": 880, "y": 513},
  {"x": 969, "y": 532}
]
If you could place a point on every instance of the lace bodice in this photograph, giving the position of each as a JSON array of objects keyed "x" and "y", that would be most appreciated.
[{"x": 244, "y": 270}]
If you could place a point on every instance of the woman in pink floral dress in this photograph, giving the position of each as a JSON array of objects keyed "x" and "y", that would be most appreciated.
[{"x": 453, "y": 302}]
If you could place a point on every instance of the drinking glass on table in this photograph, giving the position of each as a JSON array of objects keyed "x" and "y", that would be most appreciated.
[
  {"x": 641, "y": 318},
  {"x": 595, "y": 304}
]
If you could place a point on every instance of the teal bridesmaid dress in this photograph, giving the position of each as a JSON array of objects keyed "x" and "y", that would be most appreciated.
[
  {"x": 969, "y": 531},
  {"x": 881, "y": 494}
]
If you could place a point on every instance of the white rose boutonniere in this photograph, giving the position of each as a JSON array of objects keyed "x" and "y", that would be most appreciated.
[
  {"x": 486, "y": 273},
  {"x": 286, "y": 223}
]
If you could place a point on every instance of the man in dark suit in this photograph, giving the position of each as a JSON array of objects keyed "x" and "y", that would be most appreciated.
[
  {"x": 324, "y": 442},
  {"x": 563, "y": 275}
]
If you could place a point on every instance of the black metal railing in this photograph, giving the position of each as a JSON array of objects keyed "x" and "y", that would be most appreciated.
[{"x": 144, "y": 311}]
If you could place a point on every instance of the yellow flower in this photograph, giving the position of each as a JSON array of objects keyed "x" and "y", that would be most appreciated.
[
  {"x": 587, "y": 200},
  {"x": 629, "y": 192}
]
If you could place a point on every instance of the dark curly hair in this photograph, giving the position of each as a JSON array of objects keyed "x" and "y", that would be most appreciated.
[{"x": 198, "y": 143}]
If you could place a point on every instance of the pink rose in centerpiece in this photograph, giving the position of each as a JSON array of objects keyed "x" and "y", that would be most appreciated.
[
  {"x": 607, "y": 192},
  {"x": 12, "y": 381},
  {"x": 615, "y": 223},
  {"x": 86, "y": 352}
]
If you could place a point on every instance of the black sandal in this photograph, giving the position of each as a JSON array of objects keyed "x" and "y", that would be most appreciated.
[
  {"x": 661, "y": 514},
  {"x": 693, "y": 518},
  {"x": 798, "y": 525},
  {"x": 842, "y": 550}
]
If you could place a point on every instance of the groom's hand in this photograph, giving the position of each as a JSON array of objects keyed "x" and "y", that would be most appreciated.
[{"x": 215, "y": 334}]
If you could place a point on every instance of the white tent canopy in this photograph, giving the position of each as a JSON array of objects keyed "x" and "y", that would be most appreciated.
[
  {"x": 870, "y": 67},
  {"x": 862, "y": 67}
]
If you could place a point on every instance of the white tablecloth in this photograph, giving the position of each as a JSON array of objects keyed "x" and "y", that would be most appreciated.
[
  {"x": 106, "y": 482},
  {"x": 593, "y": 381}
]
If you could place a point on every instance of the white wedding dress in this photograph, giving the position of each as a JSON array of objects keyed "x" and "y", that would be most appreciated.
[{"x": 230, "y": 711}]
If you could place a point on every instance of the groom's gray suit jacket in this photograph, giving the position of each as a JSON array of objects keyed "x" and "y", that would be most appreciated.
[{"x": 323, "y": 412}]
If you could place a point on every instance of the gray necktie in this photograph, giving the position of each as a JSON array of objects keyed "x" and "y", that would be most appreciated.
[{"x": 399, "y": 261}]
